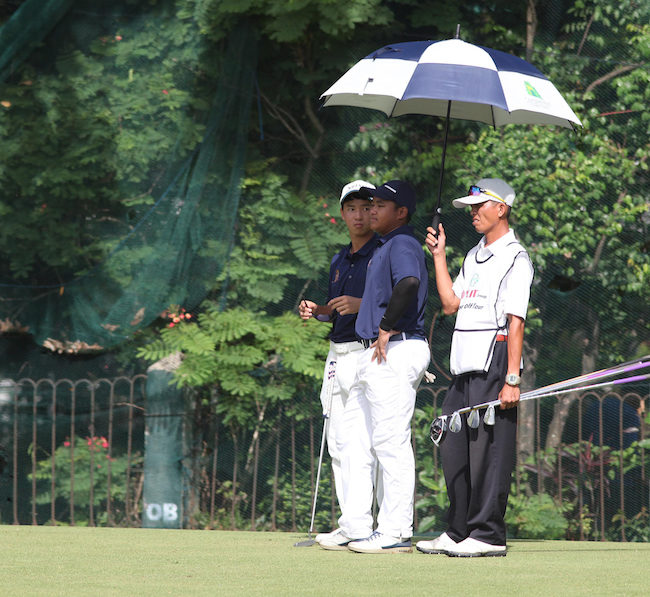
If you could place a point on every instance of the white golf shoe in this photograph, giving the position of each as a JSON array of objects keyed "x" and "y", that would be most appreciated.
[
  {"x": 473, "y": 548},
  {"x": 380, "y": 543},
  {"x": 318, "y": 538},
  {"x": 335, "y": 541},
  {"x": 441, "y": 544}
]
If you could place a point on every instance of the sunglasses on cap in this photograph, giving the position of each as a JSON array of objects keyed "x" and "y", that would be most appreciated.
[{"x": 475, "y": 191}]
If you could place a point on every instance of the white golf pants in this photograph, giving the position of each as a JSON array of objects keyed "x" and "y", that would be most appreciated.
[
  {"x": 377, "y": 422},
  {"x": 342, "y": 359}
]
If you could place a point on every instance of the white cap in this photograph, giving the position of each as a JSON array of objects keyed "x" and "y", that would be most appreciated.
[
  {"x": 353, "y": 187},
  {"x": 492, "y": 189}
]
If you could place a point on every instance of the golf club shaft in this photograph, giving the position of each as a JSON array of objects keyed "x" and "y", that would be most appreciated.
[
  {"x": 603, "y": 373},
  {"x": 535, "y": 395},
  {"x": 320, "y": 463},
  {"x": 331, "y": 375}
]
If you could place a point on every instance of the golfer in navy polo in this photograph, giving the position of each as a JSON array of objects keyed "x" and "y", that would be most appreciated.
[
  {"x": 346, "y": 282},
  {"x": 380, "y": 407}
]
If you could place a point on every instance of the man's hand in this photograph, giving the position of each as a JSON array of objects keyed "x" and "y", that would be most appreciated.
[
  {"x": 436, "y": 245},
  {"x": 345, "y": 305},
  {"x": 306, "y": 309},
  {"x": 380, "y": 345},
  {"x": 509, "y": 396}
]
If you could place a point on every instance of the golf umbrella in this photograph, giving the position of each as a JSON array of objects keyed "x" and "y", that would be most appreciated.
[{"x": 452, "y": 79}]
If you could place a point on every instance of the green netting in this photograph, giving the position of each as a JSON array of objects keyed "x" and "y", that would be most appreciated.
[
  {"x": 31, "y": 22},
  {"x": 180, "y": 162}
]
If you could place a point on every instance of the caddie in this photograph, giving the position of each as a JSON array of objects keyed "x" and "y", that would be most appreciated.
[{"x": 490, "y": 297}]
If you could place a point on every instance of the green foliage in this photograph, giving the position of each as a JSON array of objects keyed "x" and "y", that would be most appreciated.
[
  {"x": 535, "y": 517},
  {"x": 83, "y": 139},
  {"x": 282, "y": 239},
  {"x": 82, "y": 466},
  {"x": 432, "y": 503},
  {"x": 636, "y": 529},
  {"x": 303, "y": 491},
  {"x": 253, "y": 360}
]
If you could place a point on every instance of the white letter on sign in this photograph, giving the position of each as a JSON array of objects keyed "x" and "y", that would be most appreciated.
[
  {"x": 170, "y": 512},
  {"x": 154, "y": 512}
]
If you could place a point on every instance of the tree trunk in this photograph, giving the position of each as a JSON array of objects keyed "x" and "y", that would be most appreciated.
[
  {"x": 589, "y": 358},
  {"x": 526, "y": 415},
  {"x": 531, "y": 28}
]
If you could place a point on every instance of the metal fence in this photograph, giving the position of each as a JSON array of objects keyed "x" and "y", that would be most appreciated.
[
  {"x": 61, "y": 441},
  {"x": 72, "y": 452}
]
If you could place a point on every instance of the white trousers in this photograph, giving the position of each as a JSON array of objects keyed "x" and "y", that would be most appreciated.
[
  {"x": 377, "y": 423},
  {"x": 342, "y": 360}
]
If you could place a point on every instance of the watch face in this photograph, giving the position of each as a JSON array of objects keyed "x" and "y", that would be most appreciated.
[{"x": 512, "y": 379}]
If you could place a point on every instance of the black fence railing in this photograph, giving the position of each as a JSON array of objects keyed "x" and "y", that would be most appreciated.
[{"x": 72, "y": 452}]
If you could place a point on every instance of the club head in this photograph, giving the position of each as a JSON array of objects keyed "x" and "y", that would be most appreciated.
[
  {"x": 455, "y": 423},
  {"x": 490, "y": 415},
  {"x": 438, "y": 426},
  {"x": 473, "y": 419},
  {"x": 305, "y": 543}
]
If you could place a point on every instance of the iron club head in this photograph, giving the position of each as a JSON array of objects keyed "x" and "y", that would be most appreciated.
[
  {"x": 490, "y": 415},
  {"x": 455, "y": 423},
  {"x": 473, "y": 419}
]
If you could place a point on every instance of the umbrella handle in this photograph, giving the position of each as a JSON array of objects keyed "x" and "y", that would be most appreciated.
[{"x": 436, "y": 222}]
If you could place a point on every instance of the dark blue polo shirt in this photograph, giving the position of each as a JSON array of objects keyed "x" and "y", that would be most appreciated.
[
  {"x": 348, "y": 276},
  {"x": 399, "y": 255}
]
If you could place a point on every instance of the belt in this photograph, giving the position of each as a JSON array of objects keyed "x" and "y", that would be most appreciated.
[
  {"x": 393, "y": 338},
  {"x": 502, "y": 338},
  {"x": 345, "y": 347}
]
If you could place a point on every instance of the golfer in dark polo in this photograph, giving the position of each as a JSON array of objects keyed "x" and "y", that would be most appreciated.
[{"x": 380, "y": 407}]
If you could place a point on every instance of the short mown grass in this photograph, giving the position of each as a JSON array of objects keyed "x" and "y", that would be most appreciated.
[{"x": 75, "y": 561}]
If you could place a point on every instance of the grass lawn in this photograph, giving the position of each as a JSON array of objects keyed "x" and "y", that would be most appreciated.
[{"x": 75, "y": 561}]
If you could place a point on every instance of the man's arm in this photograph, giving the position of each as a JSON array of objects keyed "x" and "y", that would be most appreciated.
[
  {"x": 345, "y": 304},
  {"x": 436, "y": 245},
  {"x": 509, "y": 395},
  {"x": 404, "y": 292}
]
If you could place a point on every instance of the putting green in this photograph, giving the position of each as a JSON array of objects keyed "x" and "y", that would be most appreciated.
[{"x": 106, "y": 561}]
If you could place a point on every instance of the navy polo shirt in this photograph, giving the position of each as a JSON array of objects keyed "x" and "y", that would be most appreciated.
[
  {"x": 348, "y": 277},
  {"x": 398, "y": 255}
]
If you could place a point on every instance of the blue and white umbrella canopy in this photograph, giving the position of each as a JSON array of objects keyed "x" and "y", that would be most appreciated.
[{"x": 482, "y": 84}]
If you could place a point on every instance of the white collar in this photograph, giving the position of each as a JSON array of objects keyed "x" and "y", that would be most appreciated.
[{"x": 485, "y": 252}]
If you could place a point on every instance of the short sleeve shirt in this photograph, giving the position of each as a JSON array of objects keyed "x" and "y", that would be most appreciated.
[
  {"x": 398, "y": 255},
  {"x": 348, "y": 277}
]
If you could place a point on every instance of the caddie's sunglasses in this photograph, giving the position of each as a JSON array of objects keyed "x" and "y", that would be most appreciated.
[{"x": 475, "y": 191}]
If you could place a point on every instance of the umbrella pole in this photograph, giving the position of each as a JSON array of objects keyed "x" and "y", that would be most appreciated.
[{"x": 436, "y": 215}]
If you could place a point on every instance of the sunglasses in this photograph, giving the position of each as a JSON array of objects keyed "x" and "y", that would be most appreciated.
[{"x": 476, "y": 191}]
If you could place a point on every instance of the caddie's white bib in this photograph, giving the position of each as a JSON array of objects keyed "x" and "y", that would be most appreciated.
[{"x": 477, "y": 321}]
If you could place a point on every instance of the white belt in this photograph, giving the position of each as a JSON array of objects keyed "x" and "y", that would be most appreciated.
[{"x": 345, "y": 347}]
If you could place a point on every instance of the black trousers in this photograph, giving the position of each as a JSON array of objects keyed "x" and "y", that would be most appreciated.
[{"x": 478, "y": 463}]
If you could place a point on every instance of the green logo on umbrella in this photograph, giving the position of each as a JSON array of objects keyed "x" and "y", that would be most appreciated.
[{"x": 531, "y": 90}]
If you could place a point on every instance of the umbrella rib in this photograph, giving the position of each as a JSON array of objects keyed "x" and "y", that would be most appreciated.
[{"x": 392, "y": 110}]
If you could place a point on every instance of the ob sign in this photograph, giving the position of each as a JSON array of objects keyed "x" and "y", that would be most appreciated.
[{"x": 166, "y": 513}]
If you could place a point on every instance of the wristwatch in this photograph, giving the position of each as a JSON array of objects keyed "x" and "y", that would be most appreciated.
[{"x": 512, "y": 379}]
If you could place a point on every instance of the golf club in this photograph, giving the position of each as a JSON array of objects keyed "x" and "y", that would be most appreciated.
[
  {"x": 326, "y": 415},
  {"x": 453, "y": 422}
]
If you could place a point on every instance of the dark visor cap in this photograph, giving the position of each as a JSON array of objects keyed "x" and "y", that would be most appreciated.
[{"x": 398, "y": 191}]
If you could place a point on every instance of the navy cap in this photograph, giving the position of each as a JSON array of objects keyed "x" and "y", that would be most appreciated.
[{"x": 399, "y": 191}]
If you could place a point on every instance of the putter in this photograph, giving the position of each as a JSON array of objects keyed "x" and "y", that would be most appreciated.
[{"x": 326, "y": 416}]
